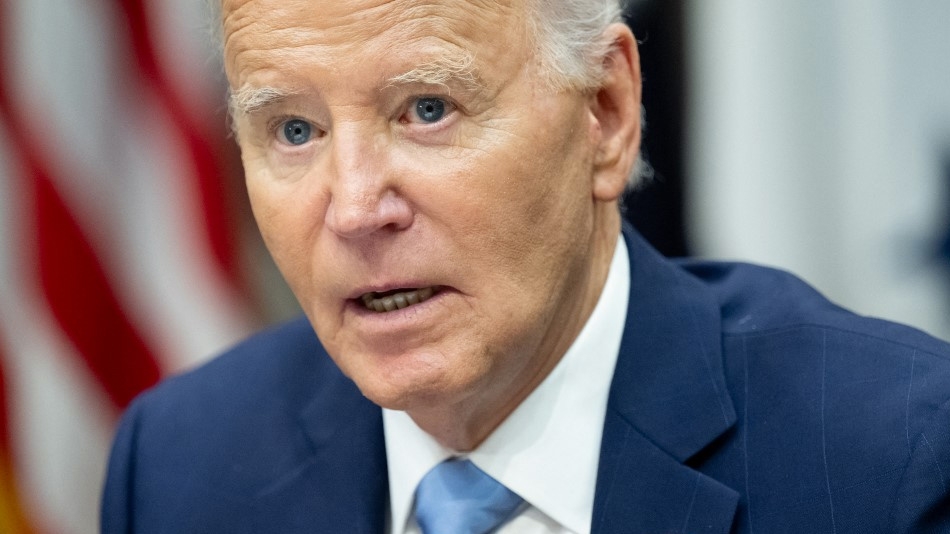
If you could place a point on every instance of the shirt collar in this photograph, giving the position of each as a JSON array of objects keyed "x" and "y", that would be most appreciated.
[{"x": 547, "y": 450}]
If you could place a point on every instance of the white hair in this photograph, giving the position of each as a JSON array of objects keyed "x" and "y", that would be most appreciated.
[
  {"x": 569, "y": 36},
  {"x": 571, "y": 45}
]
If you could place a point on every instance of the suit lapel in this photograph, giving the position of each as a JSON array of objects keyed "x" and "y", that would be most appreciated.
[
  {"x": 642, "y": 489},
  {"x": 668, "y": 401},
  {"x": 342, "y": 486}
]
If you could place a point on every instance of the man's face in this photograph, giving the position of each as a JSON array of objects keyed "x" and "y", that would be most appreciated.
[{"x": 408, "y": 151}]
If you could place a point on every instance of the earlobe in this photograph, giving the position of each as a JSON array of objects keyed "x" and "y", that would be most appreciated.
[{"x": 616, "y": 110}]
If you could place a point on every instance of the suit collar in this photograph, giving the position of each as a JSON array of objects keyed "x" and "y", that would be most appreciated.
[
  {"x": 668, "y": 401},
  {"x": 669, "y": 383},
  {"x": 342, "y": 486}
]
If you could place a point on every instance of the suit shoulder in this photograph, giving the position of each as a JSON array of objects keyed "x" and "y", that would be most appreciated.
[
  {"x": 856, "y": 406},
  {"x": 195, "y": 452},
  {"x": 758, "y": 300},
  {"x": 287, "y": 358}
]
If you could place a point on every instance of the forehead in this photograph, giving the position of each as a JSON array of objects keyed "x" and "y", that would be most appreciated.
[{"x": 284, "y": 34}]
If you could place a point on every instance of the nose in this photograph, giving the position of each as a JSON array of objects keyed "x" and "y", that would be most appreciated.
[{"x": 364, "y": 190}]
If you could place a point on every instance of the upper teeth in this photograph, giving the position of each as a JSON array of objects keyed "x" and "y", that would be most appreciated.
[{"x": 397, "y": 301}]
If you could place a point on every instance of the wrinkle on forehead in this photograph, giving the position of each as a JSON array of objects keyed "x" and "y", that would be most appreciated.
[{"x": 306, "y": 30}]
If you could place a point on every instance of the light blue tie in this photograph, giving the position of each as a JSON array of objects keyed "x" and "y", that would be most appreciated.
[{"x": 456, "y": 497}]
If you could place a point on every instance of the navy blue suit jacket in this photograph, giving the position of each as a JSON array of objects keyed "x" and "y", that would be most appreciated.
[{"x": 742, "y": 402}]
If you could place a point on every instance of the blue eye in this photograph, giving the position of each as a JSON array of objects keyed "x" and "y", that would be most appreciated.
[
  {"x": 430, "y": 109},
  {"x": 297, "y": 132}
]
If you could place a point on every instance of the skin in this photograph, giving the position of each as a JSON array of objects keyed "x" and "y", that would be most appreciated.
[{"x": 507, "y": 204}]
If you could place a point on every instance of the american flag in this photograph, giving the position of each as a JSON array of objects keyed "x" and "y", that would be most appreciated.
[{"x": 121, "y": 259}]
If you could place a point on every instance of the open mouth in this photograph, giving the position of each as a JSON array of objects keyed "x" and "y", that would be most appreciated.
[{"x": 396, "y": 299}]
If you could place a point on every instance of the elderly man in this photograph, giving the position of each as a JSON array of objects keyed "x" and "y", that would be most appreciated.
[{"x": 485, "y": 348}]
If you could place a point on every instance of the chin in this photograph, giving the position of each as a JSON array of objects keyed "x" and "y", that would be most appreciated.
[
  {"x": 404, "y": 397},
  {"x": 412, "y": 385}
]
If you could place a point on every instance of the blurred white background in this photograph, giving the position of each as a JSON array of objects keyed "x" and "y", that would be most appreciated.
[{"x": 819, "y": 141}]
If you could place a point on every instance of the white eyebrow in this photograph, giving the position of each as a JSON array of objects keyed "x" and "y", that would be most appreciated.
[
  {"x": 248, "y": 99},
  {"x": 456, "y": 67}
]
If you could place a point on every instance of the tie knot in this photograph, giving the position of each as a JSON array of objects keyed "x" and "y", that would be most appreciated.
[{"x": 456, "y": 497}]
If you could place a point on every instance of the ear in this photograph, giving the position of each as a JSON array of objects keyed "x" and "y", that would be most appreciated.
[{"x": 616, "y": 114}]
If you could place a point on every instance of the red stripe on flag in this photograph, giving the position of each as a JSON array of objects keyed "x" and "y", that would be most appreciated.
[
  {"x": 208, "y": 152},
  {"x": 72, "y": 279},
  {"x": 83, "y": 302}
]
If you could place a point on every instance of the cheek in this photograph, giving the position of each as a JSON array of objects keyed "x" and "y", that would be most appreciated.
[
  {"x": 543, "y": 220},
  {"x": 264, "y": 201},
  {"x": 515, "y": 224},
  {"x": 286, "y": 225},
  {"x": 539, "y": 192}
]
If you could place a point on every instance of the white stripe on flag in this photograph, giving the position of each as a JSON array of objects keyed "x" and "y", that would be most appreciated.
[
  {"x": 170, "y": 278},
  {"x": 60, "y": 423}
]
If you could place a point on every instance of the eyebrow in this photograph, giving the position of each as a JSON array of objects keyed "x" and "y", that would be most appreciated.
[
  {"x": 248, "y": 99},
  {"x": 456, "y": 68}
]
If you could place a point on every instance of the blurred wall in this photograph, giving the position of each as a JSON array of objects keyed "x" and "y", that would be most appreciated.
[{"x": 818, "y": 140}]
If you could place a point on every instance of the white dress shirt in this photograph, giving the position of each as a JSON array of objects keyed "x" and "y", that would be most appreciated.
[{"x": 547, "y": 450}]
